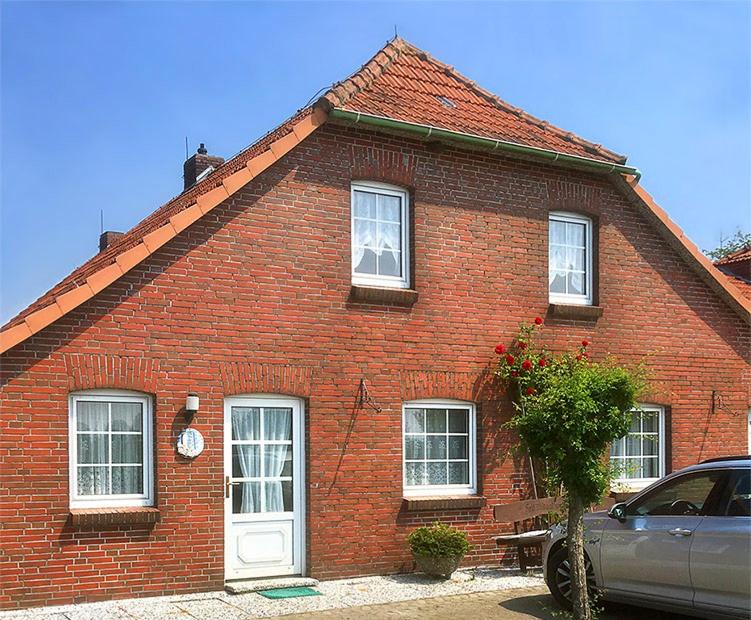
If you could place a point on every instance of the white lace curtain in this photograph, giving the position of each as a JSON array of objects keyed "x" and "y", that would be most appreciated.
[
  {"x": 381, "y": 231},
  {"x": 277, "y": 426}
]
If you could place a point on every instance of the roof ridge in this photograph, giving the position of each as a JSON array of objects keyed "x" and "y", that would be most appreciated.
[{"x": 401, "y": 46}]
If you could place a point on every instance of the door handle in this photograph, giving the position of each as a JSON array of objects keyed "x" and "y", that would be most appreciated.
[
  {"x": 679, "y": 531},
  {"x": 227, "y": 484}
]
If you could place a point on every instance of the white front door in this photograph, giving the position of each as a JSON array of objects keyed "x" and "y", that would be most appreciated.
[{"x": 263, "y": 487}]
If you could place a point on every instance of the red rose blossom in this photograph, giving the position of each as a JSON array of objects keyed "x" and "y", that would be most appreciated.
[
  {"x": 526, "y": 364},
  {"x": 530, "y": 390},
  {"x": 500, "y": 349},
  {"x": 514, "y": 373},
  {"x": 538, "y": 320},
  {"x": 579, "y": 358},
  {"x": 521, "y": 345},
  {"x": 510, "y": 359},
  {"x": 585, "y": 343},
  {"x": 542, "y": 363}
]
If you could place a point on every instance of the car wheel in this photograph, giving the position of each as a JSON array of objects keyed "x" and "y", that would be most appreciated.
[{"x": 558, "y": 577}]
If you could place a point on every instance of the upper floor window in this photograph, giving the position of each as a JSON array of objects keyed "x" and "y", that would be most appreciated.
[
  {"x": 439, "y": 448},
  {"x": 380, "y": 246},
  {"x": 570, "y": 259},
  {"x": 110, "y": 449},
  {"x": 639, "y": 457}
]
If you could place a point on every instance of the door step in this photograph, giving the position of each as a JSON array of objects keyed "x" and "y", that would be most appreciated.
[{"x": 253, "y": 585}]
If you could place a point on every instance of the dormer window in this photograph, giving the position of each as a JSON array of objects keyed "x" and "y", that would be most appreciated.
[
  {"x": 380, "y": 248},
  {"x": 570, "y": 259}
]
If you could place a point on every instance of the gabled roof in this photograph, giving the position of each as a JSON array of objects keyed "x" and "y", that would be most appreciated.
[
  {"x": 403, "y": 82},
  {"x": 400, "y": 82}
]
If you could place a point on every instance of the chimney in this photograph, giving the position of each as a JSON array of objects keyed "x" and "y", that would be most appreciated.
[
  {"x": 198, "y": 164},
  {"x": 107, "y": 238}
]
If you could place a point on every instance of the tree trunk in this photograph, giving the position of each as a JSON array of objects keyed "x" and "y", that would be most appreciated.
[{"x": 575, "y": 543}]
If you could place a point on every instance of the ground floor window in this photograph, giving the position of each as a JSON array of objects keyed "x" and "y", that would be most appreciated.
[
  {"x": 110, "y": 449},
  {"x": 639, "y": 456},
  {"x": 439, "y": 448}
]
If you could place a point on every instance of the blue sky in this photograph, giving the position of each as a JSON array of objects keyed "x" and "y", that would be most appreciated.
[{"x": 97, "y": 99}]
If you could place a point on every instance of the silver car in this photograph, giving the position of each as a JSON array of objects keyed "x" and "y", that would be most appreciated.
[{"x": 683, "y": 544}]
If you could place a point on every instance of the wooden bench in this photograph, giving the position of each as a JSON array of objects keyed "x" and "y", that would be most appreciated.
[{"x": 530, "y": 528}]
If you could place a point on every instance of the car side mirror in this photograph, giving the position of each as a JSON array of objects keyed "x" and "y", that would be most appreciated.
[{"x": 618, "y": 511}]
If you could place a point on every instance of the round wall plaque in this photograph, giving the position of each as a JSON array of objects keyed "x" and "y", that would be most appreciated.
[{"x": 190, "y": 443}]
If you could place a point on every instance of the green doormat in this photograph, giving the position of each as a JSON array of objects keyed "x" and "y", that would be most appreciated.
[{"x": 289, "y": 592}]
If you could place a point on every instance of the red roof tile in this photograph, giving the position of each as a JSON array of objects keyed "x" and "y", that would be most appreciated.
[
  {"x": 743, "y": 285},
  {"x": 405, "y": 83},
  {"x": 739, "y": 256}
]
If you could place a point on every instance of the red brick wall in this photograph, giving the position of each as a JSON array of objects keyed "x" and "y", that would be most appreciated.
[{"x": 254, "y": 298}]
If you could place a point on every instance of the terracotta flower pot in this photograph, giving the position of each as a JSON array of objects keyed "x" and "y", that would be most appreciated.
[{"x": 436, "y": 566}]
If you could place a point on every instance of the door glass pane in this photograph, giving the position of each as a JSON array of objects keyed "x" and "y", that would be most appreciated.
[
  {"x": 246, "y": 497},
  {"x": 277, "y": 461},
  {"x": 436, "y": 420},
  {"x": 127, "y": 417},
  {"x": 246, "y": 423},
  {"x": 414, "y": 420},
  {"x": 93, "y": 448},
  {"x": 127, "y": 480},
  {"x": 278, "y": 496},
  {"x": 92, "y": 416},
  {"x": 246, "y": 461},
  {"x": 277, "y": 424},
  {"x": 93, "y": 480},
  {"x": 127, "y": 449}
]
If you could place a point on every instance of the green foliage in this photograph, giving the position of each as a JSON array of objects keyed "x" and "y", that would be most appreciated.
[
  {"x": 439, "y": 540},
  {"x": 568, "y": 411},
  {"x": 738, "y": 241}
]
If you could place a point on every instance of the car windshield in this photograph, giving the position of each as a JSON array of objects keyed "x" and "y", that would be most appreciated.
[{"x": 685, "y": 495}]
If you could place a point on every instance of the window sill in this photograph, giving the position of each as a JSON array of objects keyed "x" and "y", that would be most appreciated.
[
  {"x": 379, "y": 295},
  {"x": 449, "y": 502},
  {"x": 131, "y": 515},
  {"x": 573, "y": 311}
]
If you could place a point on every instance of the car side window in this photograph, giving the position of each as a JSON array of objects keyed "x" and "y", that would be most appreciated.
[
  {"x": 685, "y": 495},
  {"x": 737, "y": 503}
]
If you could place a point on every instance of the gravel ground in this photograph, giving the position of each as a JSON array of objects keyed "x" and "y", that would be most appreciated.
[{"x": 341, "y": 593}]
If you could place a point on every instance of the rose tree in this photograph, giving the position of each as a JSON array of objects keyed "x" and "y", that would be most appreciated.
[{"x": 568, "y": 411}]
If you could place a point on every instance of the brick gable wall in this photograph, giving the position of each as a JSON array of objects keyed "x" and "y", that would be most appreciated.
[{"x": 255, "y": 298}]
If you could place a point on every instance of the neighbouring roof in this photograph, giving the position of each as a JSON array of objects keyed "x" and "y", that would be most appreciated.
[
  {"x": 743, "y": 285},
  {"x": 739, "y": 256},
  {"x": 400, "y": 82}
]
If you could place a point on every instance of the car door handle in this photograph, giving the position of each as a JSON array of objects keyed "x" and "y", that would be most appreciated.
[{"x": 679, "y": 531}]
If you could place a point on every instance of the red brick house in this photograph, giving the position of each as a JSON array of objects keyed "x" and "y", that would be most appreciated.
[{"x": 332, "y": 295}]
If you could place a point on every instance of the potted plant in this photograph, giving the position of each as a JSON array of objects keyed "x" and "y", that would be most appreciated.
[{"x": 438, "y": 549}]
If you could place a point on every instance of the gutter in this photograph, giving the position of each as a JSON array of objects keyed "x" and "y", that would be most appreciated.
[{"x": 428, "y": 131}]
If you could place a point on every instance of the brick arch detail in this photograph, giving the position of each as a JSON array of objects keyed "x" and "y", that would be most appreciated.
[
  {"x": 384, "y": 165},
  {"x": 91, "y": 371},
  {"x": 261, "y": 378},
  {"x": 470, "y": 386},
  {"x": 575, "y": 197}
]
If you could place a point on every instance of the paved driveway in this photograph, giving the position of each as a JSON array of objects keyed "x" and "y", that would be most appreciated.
[{"x": 518, "y": 604}]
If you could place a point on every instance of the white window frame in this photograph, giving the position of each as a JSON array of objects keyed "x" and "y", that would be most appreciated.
[
  {"x": 111, "y": 501},
  {"x": 382, "y": 281},
  {"x": 567, "y": 298},
  {"x": 637, "y": 484},
  {"x": 442, "y": 489}
]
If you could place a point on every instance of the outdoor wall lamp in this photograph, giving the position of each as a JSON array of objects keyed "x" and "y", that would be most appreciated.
[{"x": 191, "y": 406}]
